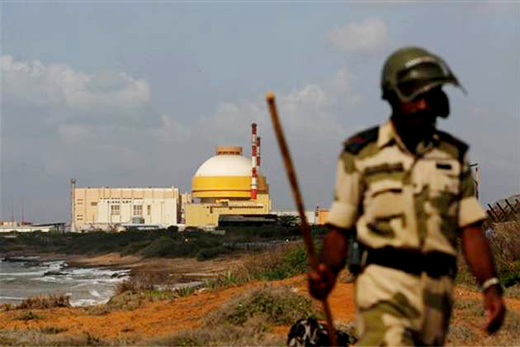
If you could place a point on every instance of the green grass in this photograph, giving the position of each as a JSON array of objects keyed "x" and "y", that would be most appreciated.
[
  {"x": 150, "y": 243},
  {"x": 185, "y": 291},
  {"x": 283, "y": 261}
]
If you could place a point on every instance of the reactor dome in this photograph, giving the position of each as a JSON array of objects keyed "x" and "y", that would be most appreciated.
[{"x": 227, "y": 175}]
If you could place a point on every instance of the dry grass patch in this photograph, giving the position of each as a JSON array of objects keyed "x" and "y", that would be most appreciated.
[
  {"x": 45, "y": 301},
  {"x": 252, "y": 333},
  {"x": 43, "y": 338},
  {"x": 466, "y": 329},
  {"x": 52, "y": 330},
  {"x": 246, "y": 320},
  {"x": 513, "y": 291},
  {"x": 142, "y": 281},
  {"x": 28, "y": 315},
  {"x": 505, "y": 242}
]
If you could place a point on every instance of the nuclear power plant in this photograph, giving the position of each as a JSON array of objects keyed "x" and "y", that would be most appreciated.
[{"x": 227, "y": 184}]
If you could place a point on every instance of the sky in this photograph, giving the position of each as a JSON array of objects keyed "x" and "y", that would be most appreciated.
[{"x": 136, "y": 93}]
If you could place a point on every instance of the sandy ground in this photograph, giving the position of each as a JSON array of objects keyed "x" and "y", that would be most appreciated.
[{"x": 185, "y": 267}]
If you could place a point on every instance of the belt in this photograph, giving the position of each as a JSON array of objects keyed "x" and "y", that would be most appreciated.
[{"x": 435, "y": 264}]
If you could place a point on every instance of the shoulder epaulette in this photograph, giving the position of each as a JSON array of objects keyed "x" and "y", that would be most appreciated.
[
  {"x": 459, "y": 144},
  {"x": 359, "y": 141}
]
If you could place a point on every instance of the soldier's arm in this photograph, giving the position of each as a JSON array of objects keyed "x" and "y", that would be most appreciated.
[
  {"x": 335, "y": 250},
  {"x": 332, "y": 260},
  {"x": 479, "y": 257},
  {"x": 477, "y": 252},
  {"x": 341, "y": 220}
]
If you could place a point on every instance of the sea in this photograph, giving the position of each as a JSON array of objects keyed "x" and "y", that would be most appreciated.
[{"x": 24, "y": 277}]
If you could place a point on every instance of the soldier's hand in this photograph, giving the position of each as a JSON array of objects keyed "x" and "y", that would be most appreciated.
[
  {"x": 321, "y": 281},
  {"x": 494, "y": 309}
]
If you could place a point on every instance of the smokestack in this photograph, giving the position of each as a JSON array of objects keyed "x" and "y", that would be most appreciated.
[{"x": 254, "y": 174}]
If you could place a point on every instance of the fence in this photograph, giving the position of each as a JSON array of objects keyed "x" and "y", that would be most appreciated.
[{"x": 509, "y": 210}]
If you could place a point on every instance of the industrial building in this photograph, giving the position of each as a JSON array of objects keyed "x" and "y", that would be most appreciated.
[
  {"x": 228, "y": 184},
  {"x": 104, "y": 208}
]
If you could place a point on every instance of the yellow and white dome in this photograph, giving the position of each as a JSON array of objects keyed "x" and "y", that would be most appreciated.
[
  {"x": 226, "y": 175},
  {"x": 225, "y": 165}
]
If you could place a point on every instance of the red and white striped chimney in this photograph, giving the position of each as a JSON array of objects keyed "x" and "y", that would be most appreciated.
[
  {"x": 258, "y": 152},
  {"x": 254, "y": 173}
]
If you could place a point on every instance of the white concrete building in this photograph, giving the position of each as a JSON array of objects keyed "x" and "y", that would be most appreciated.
[{"x": 108, "y": 208}]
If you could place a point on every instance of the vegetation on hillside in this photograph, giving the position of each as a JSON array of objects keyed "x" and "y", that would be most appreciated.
[{"x": 152, "y": 243}]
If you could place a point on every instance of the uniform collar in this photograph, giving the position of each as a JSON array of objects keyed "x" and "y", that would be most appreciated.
[{"x": 388, "y": 135}]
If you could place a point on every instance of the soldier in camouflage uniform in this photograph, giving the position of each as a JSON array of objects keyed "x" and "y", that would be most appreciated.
[{"x": 405, "y": 189}]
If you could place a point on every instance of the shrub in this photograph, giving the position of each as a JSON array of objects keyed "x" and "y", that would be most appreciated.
[
  {"x": 505, "y": 242},
  {"x": 275, "y": 305},
  {"x": 142, "y": 281},
  {"x": 284, "y": 261},
  {"x": 213, "y": 252},
  {"x": 167, "y": 247},
  {"x": 293, "y": 262},
  {"x": 509, "y": 273}
]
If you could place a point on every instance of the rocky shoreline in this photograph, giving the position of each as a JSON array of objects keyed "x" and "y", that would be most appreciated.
[{"x": 178, "y": 269}]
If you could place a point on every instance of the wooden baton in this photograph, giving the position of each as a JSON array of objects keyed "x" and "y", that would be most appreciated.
[{"x": 304, "y": 226}]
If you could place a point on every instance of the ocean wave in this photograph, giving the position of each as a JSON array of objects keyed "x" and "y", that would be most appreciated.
[
  {"x": 87, "y": 302},
  {"x": 23, "y": 274},
  {"x": 12, "y": 298},
  {"x": 95, "y": 293}
]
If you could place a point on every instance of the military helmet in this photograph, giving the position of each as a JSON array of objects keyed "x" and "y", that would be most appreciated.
[{"x": 411, "y": 71}]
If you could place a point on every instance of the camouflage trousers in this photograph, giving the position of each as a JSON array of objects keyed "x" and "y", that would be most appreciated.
[{"x": 398, "y": 309}]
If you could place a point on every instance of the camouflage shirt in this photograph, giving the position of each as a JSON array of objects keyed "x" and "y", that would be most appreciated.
[{"x": 401, "y": 199}]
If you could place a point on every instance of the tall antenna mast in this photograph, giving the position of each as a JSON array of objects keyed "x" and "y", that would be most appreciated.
[{"x": 72, "y": 203}]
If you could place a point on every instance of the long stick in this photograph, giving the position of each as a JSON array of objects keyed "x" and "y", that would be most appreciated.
[{"x": 291, "y": 174}]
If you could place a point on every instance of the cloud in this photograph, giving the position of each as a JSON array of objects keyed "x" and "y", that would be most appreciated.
[
  {"x": 59, "y": 123},
  {"x": 74, "y": 133},
  {"x": 342, "y": 85},
  {"x": 365, "y": 37},
  {"x": 73, "y": 94},
  {"x": 172, "y": 131}
]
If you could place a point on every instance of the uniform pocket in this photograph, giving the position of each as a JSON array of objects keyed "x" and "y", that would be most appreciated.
[
  {"x": 445, "y": 177},
  {"x": 385, "y": 202},
  {"x": 445, "y": 187}
]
